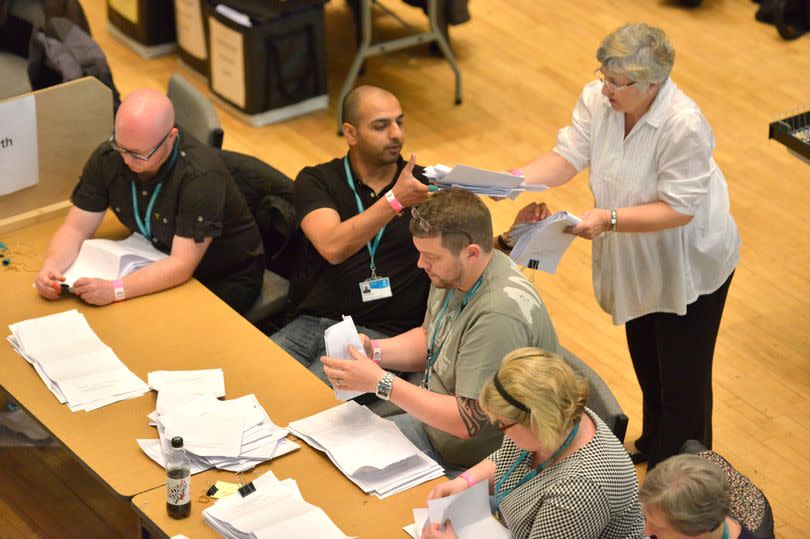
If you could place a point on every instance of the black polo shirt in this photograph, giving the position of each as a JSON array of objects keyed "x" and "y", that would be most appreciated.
[
  {"x": 319, "y": 288},
  {"x": 198, "y": 199}
]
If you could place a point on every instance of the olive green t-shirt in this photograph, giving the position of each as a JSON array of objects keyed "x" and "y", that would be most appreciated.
[{"x": 503, "y": 314}]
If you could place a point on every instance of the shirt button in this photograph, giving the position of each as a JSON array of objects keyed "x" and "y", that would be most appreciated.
[
  {"x": 182, "y": 154},
  {"x": 143, "y": 193},
  {"x": 154, "y": 240},
  {"x": 199, "y": 218},
  {"x": 165, "y": 220},
  {"x": 373, "y": 195},
  {"x": 117, "y": 209}
]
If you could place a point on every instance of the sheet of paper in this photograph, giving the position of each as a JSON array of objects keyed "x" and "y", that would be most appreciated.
[
  {"x": 469, "y": 512},
  {"x": 19, "y": 153},
  {"x": 204, "y": 381},
  {"x": 338, "y": 338},
  {"x": 542, "y": 245},
  {"x": 216, "y": 434}
]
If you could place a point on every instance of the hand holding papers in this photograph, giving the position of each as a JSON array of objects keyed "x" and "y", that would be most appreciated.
[
  {"x": 274, "y": 509},
  {"x": 338, "y": 338},
  {"x": 481, "y": 182},
  {"x": 111, "y": 260},
  {"x": 75, "y": 365},
  {"x": 468, "y": 512},
  {"x": 541, "y": 245},
  {"x": 377, "y": 458}
]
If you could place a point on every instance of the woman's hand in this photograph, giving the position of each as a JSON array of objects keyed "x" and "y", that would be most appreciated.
[
  {"x": 434, "y": 531},
  {"x": 448, "y": 488},
  {"x": 594, "y": 223}
]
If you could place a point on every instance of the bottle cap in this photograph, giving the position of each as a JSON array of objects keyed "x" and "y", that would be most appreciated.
[{"x": 177, "y": 441}]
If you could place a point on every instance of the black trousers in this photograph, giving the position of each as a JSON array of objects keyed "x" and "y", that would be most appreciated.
[{"x": 672, "y": 356}]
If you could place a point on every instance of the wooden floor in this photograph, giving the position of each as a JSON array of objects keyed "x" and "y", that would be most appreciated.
[{"x": 524, "y": 63}]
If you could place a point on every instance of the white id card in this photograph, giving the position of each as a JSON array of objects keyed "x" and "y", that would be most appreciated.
[{"x": 373, "y": 289}]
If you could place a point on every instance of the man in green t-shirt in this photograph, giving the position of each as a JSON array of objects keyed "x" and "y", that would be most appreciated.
[{"x": 480, "y": 308}]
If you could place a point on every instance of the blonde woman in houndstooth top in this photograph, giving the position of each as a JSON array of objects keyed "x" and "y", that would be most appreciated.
[{"x": 560, "y": 471}]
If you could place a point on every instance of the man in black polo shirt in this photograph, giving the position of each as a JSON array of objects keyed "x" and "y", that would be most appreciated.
[
  {"x": 174, "y": 191},
  {"x": 349, "y": 208}
]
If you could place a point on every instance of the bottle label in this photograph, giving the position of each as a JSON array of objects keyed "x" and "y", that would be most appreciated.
[{"x": 178, "y": 490}]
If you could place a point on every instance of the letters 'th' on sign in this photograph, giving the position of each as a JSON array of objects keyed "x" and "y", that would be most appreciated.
[{"x": 19, "y": 156}]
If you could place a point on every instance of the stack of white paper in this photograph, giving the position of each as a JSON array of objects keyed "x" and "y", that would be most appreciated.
[
  {"x": 233, "y": 435},
  {"x": 275, "y": 509},
  {"x": 337, "y": 339},
  {"x": 541, "y": 245},
  {"x": 75, "y": 365},
  {"x": 369, "y": 450},
  {"x": 479, "y": 181},
  {"x": 111, "y": 260},
  {"x": 468, "y": 512}
]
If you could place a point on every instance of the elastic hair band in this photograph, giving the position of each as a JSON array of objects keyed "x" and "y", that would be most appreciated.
[{"x": 509, "y": 398}]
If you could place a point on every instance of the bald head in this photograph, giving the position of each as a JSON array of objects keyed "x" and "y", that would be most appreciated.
[
  {"x": 360, "y": 98},
  {"x": 144, "y": 116}
]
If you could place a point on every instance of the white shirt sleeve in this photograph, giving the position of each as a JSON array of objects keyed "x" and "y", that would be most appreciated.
[
  {"x": 684, "y": 159},
  {"x": 574, "y": 141}
]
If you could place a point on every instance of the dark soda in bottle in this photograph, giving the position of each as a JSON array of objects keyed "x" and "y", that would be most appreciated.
[{"x": 178, "y": 483}]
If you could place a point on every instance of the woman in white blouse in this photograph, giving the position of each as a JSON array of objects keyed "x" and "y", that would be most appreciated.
[{"x": 664, "y": 243}]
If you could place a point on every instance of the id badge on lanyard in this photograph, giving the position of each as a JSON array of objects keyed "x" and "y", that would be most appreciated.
[{"x": 374, "y": 287}]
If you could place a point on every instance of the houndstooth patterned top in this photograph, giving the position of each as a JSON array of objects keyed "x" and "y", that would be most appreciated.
[{"x": 592, "y": 493}]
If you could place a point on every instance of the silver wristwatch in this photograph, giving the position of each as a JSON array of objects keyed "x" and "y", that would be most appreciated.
[{"x": 385, "y": 385}]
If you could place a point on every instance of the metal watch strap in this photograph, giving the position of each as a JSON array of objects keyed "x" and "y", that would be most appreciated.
[
  {"x": 613, "y": 219},
  {"x": 385, "y": 386}
]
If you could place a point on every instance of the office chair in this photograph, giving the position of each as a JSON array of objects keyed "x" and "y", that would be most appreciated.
[
  {"x": 600, "y": 398},
  {"x": 194, "y": 112}
]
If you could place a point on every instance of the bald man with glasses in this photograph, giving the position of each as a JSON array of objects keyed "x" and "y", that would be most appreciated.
[{"x": 167, "y": 186}]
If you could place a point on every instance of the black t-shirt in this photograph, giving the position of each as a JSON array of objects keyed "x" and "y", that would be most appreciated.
[
  {"x": 319, "y": 288},
  {"x": 198, "y": 199}
]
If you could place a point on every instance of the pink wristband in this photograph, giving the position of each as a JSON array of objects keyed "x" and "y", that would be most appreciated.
[
  {"x": 516, "y": 172},
  {"x": 376, "y": 351},
  {"x": 392, "y": 200},
  {"x": 118, "y": 290},
  {"x": 468, "y": 478}
]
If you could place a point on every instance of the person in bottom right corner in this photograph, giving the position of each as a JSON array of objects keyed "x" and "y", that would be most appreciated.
[{"x": 687, "y": 497}]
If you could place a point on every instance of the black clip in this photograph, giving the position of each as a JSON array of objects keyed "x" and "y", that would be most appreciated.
[
  {"x": 534, "y": 264},
  {"x": 211, "y": 491},
  {"x": 247, "y": 489}
]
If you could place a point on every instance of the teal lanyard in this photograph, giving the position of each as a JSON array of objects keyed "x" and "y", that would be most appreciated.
[
  {"x": 433, "y": 352},
  {"x": 499, "y": 496},
  {"x": 145, "y": 224},
  {"x": 725, "y": 530},
  {"x": 372, "y": 247}
]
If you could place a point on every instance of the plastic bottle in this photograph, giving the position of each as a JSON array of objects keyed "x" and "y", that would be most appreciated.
[{"x": 178, "y": 482}]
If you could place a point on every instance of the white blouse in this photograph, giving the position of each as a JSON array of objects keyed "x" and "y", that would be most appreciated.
[{"x": 667, "y": 157}]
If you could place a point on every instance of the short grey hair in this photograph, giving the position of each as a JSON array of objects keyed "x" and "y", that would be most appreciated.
[
  {"x": 639, "y": 51},
  {"x": 691, "y": 492}
]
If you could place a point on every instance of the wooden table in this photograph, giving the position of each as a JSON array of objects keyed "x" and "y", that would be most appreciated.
[{"x": 183, "y": 328}]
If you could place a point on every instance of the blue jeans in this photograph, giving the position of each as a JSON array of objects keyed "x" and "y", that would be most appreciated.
[
  {"x": 414, "y": 430},
  {"x": 303, "y": 340}
]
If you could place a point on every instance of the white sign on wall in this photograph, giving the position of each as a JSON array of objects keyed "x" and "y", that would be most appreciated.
[
  {"x": 190, "y": 31},
  {"x": 19, "y": 155}
]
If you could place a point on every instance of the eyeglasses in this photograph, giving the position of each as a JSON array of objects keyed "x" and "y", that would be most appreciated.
[
  {"x": 427, "y": 227},
  {"x": 502, "y": 427},
  {"x": 610, "y": 86},
  {"x": 137, "y": 155}
]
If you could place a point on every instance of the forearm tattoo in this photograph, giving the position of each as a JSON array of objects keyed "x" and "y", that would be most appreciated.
[{"x": 474, "y": 419}]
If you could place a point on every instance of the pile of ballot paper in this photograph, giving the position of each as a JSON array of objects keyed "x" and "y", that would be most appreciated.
[
  {"x": 369, "y": 450},
  {"x": 468, "y": 512},
  {"x": 541, "y": 245},
  {"x": 111, "y": 260},
  {"x": 269, "y": 508},
  {"x": 233, "y": 435},
  {"x": 74, "y": 363},
  {"x": 479, "y": 181}
]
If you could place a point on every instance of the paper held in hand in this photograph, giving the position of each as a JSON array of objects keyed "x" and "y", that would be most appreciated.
[
  {"x": 111, "y": 260},
  {"x": 338, "y": 338},
  {"x": 541, "y": 245}
]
